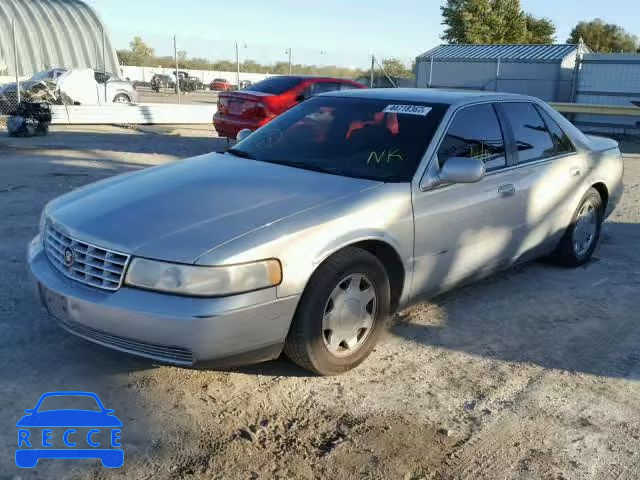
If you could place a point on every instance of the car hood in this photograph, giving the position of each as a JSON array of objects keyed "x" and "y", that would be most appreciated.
[
  {"x": 69, "y": 418},
  {"x": 180, "y": 211}
]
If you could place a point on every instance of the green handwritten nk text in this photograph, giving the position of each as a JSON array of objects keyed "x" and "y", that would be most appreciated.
[{"x": 384, "y": 157}]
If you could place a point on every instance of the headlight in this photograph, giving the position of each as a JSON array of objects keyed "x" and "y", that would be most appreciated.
[{"x": 203, "y": 281}]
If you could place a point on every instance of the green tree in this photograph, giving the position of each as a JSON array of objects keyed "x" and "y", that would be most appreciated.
[
  {"x": 140, "y": 50},
  {"x": 394, "y": 67},
  {"x": 540, "y": 30},
  {"x": 506, "y": 22},
  {"x": 493, "y": 21},
  {"x": 604, "y": 37},
  {"x": 141, "y": 54}
]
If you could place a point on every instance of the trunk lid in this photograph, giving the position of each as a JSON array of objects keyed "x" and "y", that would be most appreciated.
[
  {"x": 601, "y": 144},
  {"x": 244, "y": 104}
]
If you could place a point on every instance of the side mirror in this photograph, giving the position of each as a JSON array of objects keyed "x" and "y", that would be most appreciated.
[
  {"x": 462, "y": 170},
  {"x": 242, "y": 134}
]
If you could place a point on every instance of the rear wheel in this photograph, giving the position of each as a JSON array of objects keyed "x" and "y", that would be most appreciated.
[
  {"x": 122, "y": 98},
  {"x": 581, "y": 238},
  {"x": 341, "y": 315}
]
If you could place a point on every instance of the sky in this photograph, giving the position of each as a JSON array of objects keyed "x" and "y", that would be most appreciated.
[{"x": 325, "y": 32}]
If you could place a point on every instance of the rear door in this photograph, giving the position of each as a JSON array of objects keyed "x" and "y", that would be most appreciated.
[
  {"x": 463, "y": 230},
  {"x": 547, "y": 174}
]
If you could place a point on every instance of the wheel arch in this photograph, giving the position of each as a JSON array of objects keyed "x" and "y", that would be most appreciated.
[
  {"x": 602, "y": 189},
  {"x": 390, "y": 259},
  {"x": 122, "y": 92}
]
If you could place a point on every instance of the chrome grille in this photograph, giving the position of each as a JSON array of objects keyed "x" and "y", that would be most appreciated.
[
  {"x": 91, "y": 265},
  {"x": 162, "y": 353}
]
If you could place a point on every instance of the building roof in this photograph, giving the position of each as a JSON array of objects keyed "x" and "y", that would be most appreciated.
[
  {"x": 526, "y": 53},
  {"x": 53, "y": 33}
]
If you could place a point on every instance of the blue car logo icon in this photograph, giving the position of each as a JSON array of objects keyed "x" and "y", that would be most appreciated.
[{"x": 83, "y": 433}]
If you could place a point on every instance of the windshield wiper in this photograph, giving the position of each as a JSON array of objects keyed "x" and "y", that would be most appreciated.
[
  {"x": 240, "y": 153},
  {"x": 314, "y": 168}
]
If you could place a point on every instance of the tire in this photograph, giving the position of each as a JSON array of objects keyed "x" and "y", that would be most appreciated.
[
  {"x": 578, "y": 244},
  {"x": 121, "y": 98},
  {"x": 314, "y": 346}
]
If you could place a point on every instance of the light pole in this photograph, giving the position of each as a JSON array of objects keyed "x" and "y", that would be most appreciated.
[
  {"x": 288, "y": 51},
  {"x": 244, "y": 45}
]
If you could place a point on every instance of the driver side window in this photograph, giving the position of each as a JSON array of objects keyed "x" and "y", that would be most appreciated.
[{"x": 475, "y": 133}]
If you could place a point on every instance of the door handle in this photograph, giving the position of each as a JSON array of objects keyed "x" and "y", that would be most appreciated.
[
  {"x": 575, "y": 172},
  {"x": 507, "y": 189}
]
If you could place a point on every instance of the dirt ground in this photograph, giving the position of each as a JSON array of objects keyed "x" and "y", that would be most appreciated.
[{"x": 531, "y": 374}]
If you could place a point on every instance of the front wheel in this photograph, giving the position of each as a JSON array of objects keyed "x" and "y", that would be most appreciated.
[
  {"x": 581, "y": 238},
  {"x": 121, "y": 98},
  {"x": 341, "y": 315}
]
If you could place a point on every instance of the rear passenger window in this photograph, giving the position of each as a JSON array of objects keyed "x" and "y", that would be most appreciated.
[
  {"x": 560, "y": 139},
  {"x": 322, "y": 87},
  {"x": 475, "y": 133},
  {"x": 533, "y": 140}
]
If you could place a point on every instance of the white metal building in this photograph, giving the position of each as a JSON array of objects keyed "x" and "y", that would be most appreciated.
[
  {"x": 544, "y": 71},
  {"x": 52, "y": 33},
  {"x": 609, "y": 79}
]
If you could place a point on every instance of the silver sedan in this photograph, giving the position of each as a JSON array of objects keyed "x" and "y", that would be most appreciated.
[{"x": 312, "y": 230}]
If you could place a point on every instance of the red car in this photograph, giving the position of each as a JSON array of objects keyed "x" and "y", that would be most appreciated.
[
  {"x": 265, "y": 100},
  {"x": 220, "y": 84}
]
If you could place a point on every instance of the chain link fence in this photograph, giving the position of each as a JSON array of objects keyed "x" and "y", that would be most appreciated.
[
  {"x": 33, "y": 59},
  {"x": 69, "y": 63},
  {"x": 35, "y": 63}
]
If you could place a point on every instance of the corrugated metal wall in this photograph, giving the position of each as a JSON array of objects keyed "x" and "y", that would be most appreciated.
[
  {"x": 53, "y": 33},
  {"x": 609, "y": 79},
  {"x": 550, "y": 81}
]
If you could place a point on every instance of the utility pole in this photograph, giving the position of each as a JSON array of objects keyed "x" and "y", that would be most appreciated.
[
  {"x": 430, "y": 72},
  {"x": 104, "y": 62},
  {"x": 289, "y": 52},
  {"x": 175, "y": 54},
  {"x": 237, "y": 66},
  {"x": 373, "y": 60},
  {"x": 15, "y": 57}
]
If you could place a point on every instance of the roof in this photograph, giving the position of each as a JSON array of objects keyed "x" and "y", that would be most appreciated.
[
  {"x": 528, "y": 53},
  {"x": 425, "y": 95},
  {"x": 53, "y": 33}
]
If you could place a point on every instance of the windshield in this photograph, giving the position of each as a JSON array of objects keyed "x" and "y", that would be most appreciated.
[
  {"x": 47, "y": 74},
  {"x": 276, "y": 85},
  {"x": 364, "y": 138}
]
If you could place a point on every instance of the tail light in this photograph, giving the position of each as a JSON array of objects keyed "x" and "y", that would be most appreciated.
[
  {"x": 261, "y": 110},
  {"x": 222, "y": 105}
]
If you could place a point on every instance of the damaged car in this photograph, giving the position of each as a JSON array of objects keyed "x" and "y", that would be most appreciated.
[{"x": 60, "y": 86}]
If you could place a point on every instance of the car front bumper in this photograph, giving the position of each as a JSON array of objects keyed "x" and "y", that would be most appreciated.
[{"x": 180, "y": 330}]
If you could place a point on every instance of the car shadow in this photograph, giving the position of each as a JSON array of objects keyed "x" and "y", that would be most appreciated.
[
  {"x": 542, "y": 314},
  {"x": 115, "y": 139}
]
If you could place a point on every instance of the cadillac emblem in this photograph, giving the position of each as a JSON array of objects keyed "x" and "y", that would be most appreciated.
[{"x": 68, "y": 257}]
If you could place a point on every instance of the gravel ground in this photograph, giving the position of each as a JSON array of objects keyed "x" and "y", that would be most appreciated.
[{"x": 533, "y": 373}]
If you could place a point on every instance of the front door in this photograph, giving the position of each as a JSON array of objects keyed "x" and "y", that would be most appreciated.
[{"x": 462, "y": 230}]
